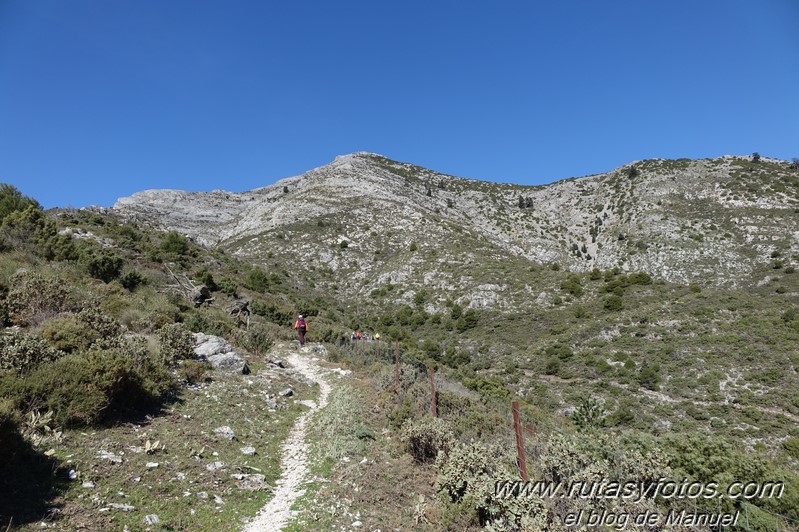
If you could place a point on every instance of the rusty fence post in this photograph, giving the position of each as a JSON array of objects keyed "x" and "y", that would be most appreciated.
[
  {"x": 433, "y": 392},
  {"x": 519, "y": 440}
]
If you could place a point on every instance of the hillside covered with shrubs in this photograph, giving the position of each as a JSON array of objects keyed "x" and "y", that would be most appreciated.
[{"x": 620, "y": 375}]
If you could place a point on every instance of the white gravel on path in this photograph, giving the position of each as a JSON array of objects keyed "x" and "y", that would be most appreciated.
[{"x": 294, "y": 462}]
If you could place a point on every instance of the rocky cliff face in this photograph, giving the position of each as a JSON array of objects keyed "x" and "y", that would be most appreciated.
[{"x": 364, "y": 222}]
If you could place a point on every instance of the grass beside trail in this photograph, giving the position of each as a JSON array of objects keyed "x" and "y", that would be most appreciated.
[
  {"x": 358, "y": 470},
  {"x": 180, "y": 490}
]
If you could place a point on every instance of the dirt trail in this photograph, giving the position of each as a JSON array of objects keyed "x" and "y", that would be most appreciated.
[{"x": 294, "y": 461}]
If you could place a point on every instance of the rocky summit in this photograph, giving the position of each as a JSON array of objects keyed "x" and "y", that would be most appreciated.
[{"x": 364, "y": 222}]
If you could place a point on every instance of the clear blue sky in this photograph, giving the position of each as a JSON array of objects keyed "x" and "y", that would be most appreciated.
[{"x": 102, "y": 98}]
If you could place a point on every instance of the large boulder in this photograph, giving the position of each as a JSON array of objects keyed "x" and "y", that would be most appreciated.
[{"x": 219, "y": 353}]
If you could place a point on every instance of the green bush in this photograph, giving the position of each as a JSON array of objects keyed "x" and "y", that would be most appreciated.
[
  {"x": 467, "y": 477},
  {"x": 649, "y": 376},
  {"x": 19, "y": 227},
  {"x": 552, "y": 366},
  {"x": 228, "y": 287},
  {"x": 194, "y": 371},
  {"x": 12, "y": 200},
  {"x": 132, "y": 280},
  {"x": 257, "y": 340},
  {"x": 589, "y": 414},
  {"x": 425, "y": 438},
  {"x": 561, "y": 351},
  {"x": 572, "y": 285},
  {"x": 105, "y": 266},
  {"x": 639, "y": 278},
  {"x": 69, "y": 334},
  {"x": 596, "y": 455},
  {"x": 614, "y": 303},
  {"x": 623, "y": 416},
  {"x": 23, "y": 353},
  {"x": 257, "y": 280},
  {"x": 57, "y": 247},
  {"x": 96, "y": 320},
  {"x": 488, "y": 387},
  {"x": 791, "y": 446},
  {"x": 175, "y": 244},
  {"x": 203, "y": 276},
  {"x": 175, "y": 342},
  {"x": 91, "y": 388},
  {"x": 280, "y": 316},
  {"x": 468, "y": 320},
  {"x": 34, "y": 298}
]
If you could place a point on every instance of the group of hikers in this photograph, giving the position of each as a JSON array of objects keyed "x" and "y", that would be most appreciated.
[
  {"x": 358, "y": 335},
  {"x": 301, "y": 326}
]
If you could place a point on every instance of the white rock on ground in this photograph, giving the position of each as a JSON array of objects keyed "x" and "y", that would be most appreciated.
[{"x": 219, "y": 353}]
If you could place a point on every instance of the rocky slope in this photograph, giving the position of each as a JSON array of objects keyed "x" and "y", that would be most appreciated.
[{"x": 364, "y": 222}]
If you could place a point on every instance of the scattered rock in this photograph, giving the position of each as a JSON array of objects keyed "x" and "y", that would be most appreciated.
[
  {"x": 213, "y": 466},
  {"x": 152, "y": 519},
  {"x": 356, "y": 524},
  {"x": 248, "y": 451},
  {"x": 225, "y": 432},
  {"x": 151, "y": 465},
  {"x": 121, "y": 507},
  {"x": 207, "y": 345},
  {"x": 288, "y": 392},
  {"x": 218, "y": 499},
  {"x": 111, "y": 457},
  {"x": 229, "y": 362},
  {"x": 202, "y": 495},
  {"x": 319, "y": 348},
  {"x": 73, "y": 474},
  {"x": 250, "y": 482},
  {"x": 88, "y": 484}
]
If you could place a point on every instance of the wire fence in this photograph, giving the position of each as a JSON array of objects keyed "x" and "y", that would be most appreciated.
[{"x": 517, "y": 428}]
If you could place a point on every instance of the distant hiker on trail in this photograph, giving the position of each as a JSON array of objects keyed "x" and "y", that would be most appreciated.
[{"x": 302, "y": 328}]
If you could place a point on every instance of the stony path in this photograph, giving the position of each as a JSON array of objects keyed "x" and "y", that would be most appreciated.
[{"x": 294, "y": 461}]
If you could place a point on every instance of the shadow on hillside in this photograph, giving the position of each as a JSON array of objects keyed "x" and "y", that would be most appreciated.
[
  {"x": 29, "y": 482},
  {"x": 139, "y": 411}
]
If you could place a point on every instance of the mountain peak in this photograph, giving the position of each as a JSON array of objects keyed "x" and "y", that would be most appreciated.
[{"x": 680, "y": 220}]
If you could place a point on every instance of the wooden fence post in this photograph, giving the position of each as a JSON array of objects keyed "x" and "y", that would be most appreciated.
[
  {"x": 519, "y": 440},
  {"x": 433, "y": 391}
]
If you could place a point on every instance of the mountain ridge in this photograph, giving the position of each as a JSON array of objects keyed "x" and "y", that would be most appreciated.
[{"x": 710, "y": 221}]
